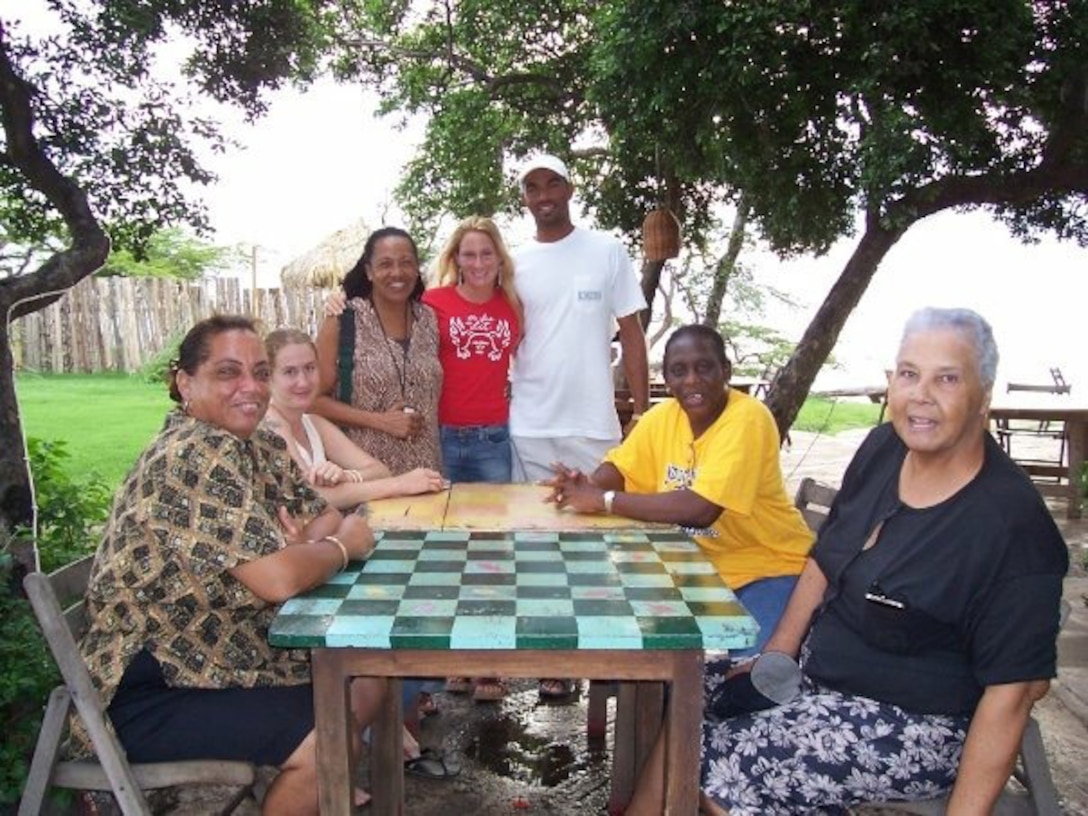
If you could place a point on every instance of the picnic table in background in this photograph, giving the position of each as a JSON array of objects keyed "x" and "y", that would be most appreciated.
[{"x": 1045, "y": 410}]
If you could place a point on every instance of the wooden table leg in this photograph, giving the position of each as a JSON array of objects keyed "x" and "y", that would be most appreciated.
[
  {"x": 387, "y": 754},
  {"x": 597, "y": 713},
  {"x": 650, "y": 713},
  {"x": 1078, "y": 448},
  {"x": 640, "y": 709},
  {"x": 331, "y": 722},
  {"x": 624, "y": 758},
  {"x": 684, "y": 733}
]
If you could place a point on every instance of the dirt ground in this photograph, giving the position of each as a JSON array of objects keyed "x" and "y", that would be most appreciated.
[{"x": 522, "y": 756}]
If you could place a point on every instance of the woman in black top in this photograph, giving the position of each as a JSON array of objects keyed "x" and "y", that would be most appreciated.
[{"x": 925, "y": 620}]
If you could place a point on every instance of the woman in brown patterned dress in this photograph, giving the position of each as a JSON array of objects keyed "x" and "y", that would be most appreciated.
[
  {"x": 379, "y": 358},
  {"x": 210, "y": 532}
]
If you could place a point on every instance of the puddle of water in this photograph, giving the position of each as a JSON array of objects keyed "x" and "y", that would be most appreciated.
[{"x": 541, "y": 744}]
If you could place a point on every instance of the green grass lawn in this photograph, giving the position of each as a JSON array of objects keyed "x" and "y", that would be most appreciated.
[
  {"x": 106, "y": 420},
  {"x": 831, "y": 416}
]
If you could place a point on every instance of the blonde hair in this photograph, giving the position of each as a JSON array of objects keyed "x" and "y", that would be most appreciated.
[
  {"x": 448, "y": 273},
  {"x": 279, "y": 339}
]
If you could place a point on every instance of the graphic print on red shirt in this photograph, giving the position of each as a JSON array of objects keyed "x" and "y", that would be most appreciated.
[{"x": 475, "y": 343}]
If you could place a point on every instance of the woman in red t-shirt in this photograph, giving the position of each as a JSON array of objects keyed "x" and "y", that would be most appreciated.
[{"x": 479, "y": 326}]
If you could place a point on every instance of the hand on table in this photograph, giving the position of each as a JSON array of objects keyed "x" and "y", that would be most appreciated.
[
  {"x": 420, "y": 480},
  {"x": 572, "y": 488}
]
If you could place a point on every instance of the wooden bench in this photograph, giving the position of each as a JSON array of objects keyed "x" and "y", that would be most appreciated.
[
  {"x": 1032, "y": 770},
  {"x": 1039, "y": 468},
  {"x": 62, "y": 628}
]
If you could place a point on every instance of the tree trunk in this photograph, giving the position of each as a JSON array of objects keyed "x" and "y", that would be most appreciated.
[
  {"x": 794, "y": 379},
  {"x": 23, "y": 294},
  {"x": 727, "y": 265},
  {"x": 15, "y": 506}
]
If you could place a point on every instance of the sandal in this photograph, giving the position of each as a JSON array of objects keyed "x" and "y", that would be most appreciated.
[
  {"x": 557, "y": 688},
  {"x": 488, "y": 690},
  {"x": 430, "y": 764},
  {"x": 459, "y": 685},
  {"x": 427, "y": 707}
]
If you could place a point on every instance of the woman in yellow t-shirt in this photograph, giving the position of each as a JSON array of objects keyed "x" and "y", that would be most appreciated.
[{"x": 707, "y": 460}]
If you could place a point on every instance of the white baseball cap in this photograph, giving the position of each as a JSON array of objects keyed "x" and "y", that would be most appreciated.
[{"x": 543, "y": 161}]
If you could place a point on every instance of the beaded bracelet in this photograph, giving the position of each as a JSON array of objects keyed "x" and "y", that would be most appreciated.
[{"x": 343, "y": 550}]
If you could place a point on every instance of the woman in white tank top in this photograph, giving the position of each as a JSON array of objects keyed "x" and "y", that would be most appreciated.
[{"x": 344, "y": 474}]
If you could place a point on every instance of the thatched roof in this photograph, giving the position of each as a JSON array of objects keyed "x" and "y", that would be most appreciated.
[{"x": 327, "y": 263}]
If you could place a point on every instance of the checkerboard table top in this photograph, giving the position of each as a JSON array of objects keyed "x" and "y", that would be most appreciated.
[{"x": 535, "y": 589}]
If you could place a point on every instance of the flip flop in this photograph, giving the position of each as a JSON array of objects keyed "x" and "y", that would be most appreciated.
[
  {"x": 427, "y": 706},
  {"x": 557, "y": 688},
  {"x": 430, "y": 764},
  {"x": 489, "y": 690},
  {"x": 459, "y": 685}
]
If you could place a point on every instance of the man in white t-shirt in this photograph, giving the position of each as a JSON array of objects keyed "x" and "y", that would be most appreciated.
[{"x": 573, "y": 283}]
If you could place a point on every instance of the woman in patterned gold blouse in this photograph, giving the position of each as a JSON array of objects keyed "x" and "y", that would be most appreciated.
[
  {"x": 212, "y": 529},
  {"x": 378, "y": 357}
]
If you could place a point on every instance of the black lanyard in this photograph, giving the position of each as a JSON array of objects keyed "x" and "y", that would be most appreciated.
[{"x": 402, "y": 368}]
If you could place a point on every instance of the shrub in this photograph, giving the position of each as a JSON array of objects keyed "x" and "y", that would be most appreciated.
[
  {"x": 157, "y": 367},
  {"x": 69, "y": 513},
  {"x": 27, "y": 675}
]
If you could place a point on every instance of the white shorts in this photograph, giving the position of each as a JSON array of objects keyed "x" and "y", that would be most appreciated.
[{"x": 533, "y": 456}]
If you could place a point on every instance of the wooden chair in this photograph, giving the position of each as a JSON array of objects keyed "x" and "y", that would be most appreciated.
[
  {"x": 814, "y": 500},
  {"x": 1032, "y": 771},
  {"x": 62, "y": 627}
]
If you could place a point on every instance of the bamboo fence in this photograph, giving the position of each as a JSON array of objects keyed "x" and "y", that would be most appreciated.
[{"x": 120, "y": 324}]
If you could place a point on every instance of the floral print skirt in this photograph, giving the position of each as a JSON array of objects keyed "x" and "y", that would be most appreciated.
[{"x": 824, "y": 751}]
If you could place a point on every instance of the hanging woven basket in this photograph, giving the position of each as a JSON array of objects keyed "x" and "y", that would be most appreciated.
[{"x": 660, "y": 235}]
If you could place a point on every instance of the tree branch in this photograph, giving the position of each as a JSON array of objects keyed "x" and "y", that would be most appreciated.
[
  {"x": 1072, "y": 122},
  {"x": 727, "y": 264},
  {"x": 493, "y": 84},
  {"x": 992, "y": 188},
  {"x": 90, "y": 245}
]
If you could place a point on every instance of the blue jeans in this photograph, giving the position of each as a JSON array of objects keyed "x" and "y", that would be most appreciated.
[
  {"x": 476, "y": 453},
  {"x": 765, "y": 601}
]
